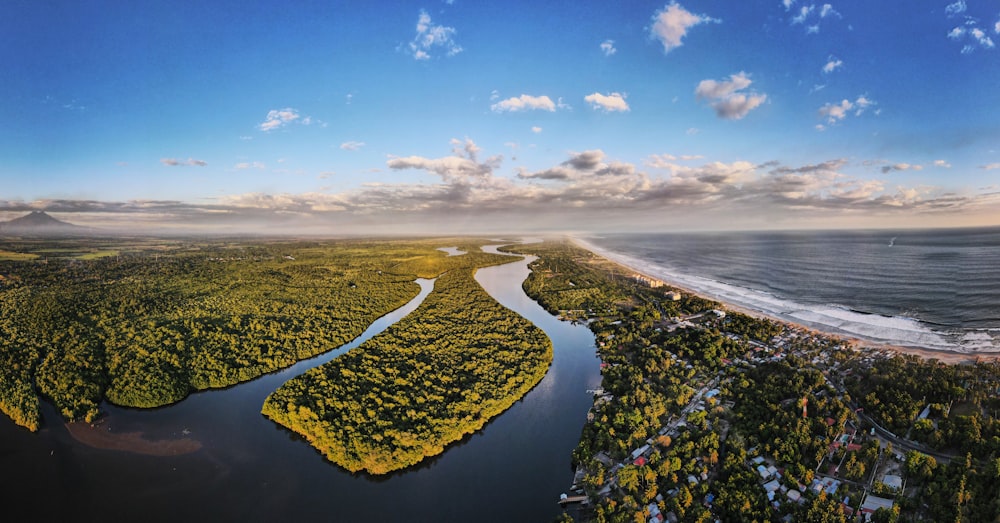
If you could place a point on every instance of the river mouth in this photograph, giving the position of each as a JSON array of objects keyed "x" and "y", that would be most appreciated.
[{"x": 249, "y": 468}]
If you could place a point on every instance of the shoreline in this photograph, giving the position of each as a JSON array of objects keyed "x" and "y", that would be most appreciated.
[{"x": 856, "y": 343}]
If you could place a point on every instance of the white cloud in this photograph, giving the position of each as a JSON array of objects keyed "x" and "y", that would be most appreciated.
[
  {"x": 608, "y": 47},
  {"x": 980, "y": 36},
  {"x": 942, "y": 163},
  {"x": 990, "y": 166},
  {"x": 886, "y": 169},
  {"x": 725, "y": 96},
  {"x": 861, "y": 104},
  {"x": 430, "y": 37},
  {"x": 956, "y": 8},
  {"x": 609, "y": 103},
  {"x": 536, "y": 129},
  {"x": 832, "y": 65},
  {"x": 278, "y": 118},
  {"x": 665, "y": 161},
  {"x": 835, "y": 112},
  {"x": 461, "y": 167},
  {"x": 804, "y": 13},
  {"x": 352, "y": 145},
  {"x": 174, "y": 162},
  {"x": 671, "y": 24},
  {"x": 249, "y": 165},
  {"x": 787, "y": 4},
  {"x": 969, "y": 34},
  {"x": 494, "y": 95},
  {"x": 584, "y": 168},
  {"x": 523, "y": 103}
]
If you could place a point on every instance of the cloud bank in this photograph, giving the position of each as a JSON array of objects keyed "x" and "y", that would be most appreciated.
[{"x": 586, "y": 190}]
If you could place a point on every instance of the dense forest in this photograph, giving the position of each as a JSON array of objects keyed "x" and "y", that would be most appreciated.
[
  {"x": 435, "y": 376},
  {"x": 143, "y": 323}
]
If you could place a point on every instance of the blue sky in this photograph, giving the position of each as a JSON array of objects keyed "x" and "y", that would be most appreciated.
[{"x": 427, "y": 117}]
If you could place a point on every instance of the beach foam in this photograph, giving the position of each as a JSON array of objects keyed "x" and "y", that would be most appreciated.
[{"x": 831, "y": 318}]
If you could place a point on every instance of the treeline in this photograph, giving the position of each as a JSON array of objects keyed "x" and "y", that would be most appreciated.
[
  {"x": 960, "y": 400},
  {"x": 568, "y": 279},
  {"x": 440, "y": 373},
  {"x": 146, "y": 328}
]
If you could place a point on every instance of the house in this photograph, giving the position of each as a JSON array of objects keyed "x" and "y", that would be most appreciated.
[
  {"x": 827, "y": 484},
  {"x": 893, "y": 481},
  {"x": 873, "y": 503},
  {"x": 640, "y": 461},
  {"x": 762, "y": 470},
  {"x": 639, "y": 451}
]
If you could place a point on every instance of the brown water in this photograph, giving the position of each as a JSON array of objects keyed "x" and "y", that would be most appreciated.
[{"x": 250, "y": 469}]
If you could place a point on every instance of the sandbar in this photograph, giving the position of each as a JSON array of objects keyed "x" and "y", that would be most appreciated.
[{"x": 100, "y": 437}]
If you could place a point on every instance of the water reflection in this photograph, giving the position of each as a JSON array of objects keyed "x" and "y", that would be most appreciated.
[{"x": 251, "y": 469}]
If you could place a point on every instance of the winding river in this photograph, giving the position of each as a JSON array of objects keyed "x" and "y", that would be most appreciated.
[{"x": 249, "y": 469}]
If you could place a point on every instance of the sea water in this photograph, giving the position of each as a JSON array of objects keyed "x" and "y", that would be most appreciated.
[{"x": 934, "y": 289}]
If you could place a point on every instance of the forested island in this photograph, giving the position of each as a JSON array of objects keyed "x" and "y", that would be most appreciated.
[{"x": 709, "y": 415}]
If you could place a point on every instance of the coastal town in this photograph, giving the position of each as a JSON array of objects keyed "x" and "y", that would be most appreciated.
[{"x": 713, "y": 415}]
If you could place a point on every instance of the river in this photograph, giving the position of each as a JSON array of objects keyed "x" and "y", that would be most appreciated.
[{"x": 250, "y": 469}]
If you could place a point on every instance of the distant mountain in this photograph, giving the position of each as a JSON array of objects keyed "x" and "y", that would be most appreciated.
[{"x": 38, "y": 223}]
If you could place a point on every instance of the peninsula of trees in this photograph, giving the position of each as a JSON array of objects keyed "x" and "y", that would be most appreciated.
[{"x": 435, "y": 376}]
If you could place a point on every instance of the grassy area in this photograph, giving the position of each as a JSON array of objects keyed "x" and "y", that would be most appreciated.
[
  {"x": 98, "y": 254},
  {"x": 16, "y": 256}
]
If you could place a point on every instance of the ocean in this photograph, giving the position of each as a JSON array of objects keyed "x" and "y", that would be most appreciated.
[{"x": 932, "y": 289}]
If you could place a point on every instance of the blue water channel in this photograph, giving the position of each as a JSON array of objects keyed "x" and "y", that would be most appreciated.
[{"x": 250, "y": 469}]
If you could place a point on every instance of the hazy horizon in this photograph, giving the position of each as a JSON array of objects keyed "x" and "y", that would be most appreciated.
[{"x": 451, "y": 117}]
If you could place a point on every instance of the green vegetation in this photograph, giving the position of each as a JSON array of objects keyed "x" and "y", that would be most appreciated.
[
  {"x": 782, "y": 397},
  {"x": 16, "y": 256},
  {"x": 159, "y": 319},
  {"x": 440, "y": 373}
]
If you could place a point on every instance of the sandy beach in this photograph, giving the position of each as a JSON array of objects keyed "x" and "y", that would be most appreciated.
[{"x": 861, "y": 344}]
